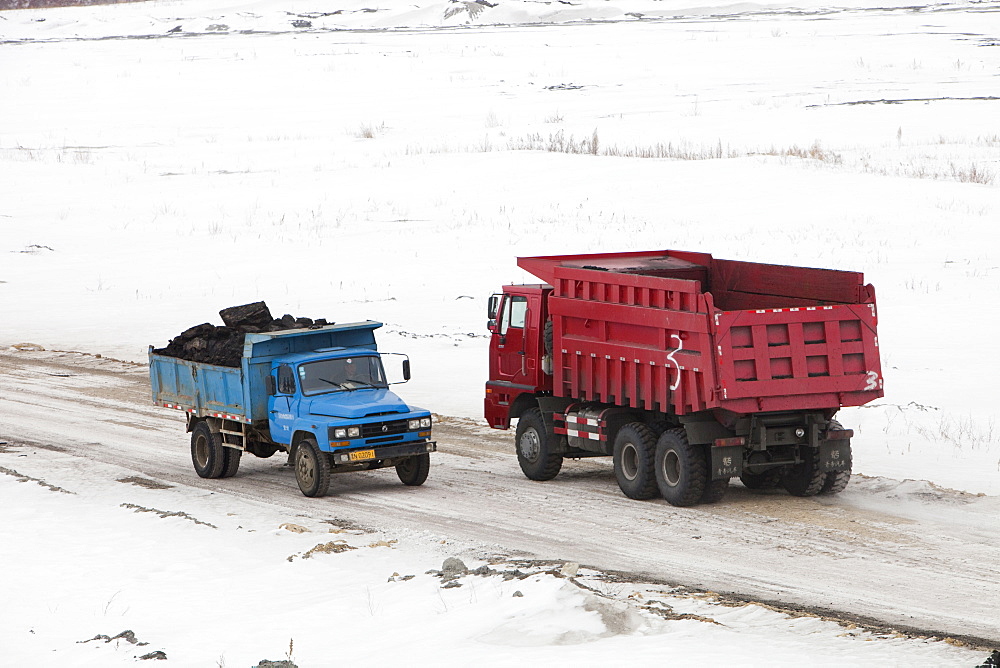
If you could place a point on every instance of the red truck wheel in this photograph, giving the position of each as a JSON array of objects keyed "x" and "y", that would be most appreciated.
[
  {"x": 681, "y": 469},
  {"x": 207, "y": 453},
  {"x": 836, "y": 481},
  {"x": 534, "y": 447},
  {"x": 770, "y": 479},
  {"x": 715, "y": 490},
  {"x": 312, "y": 468},
  {"x": 805, "y": 478},
  {"x": 635, "y": 461}
]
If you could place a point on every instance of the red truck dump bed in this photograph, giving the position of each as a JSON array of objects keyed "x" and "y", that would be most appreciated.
[{"x": 685, "y": 332}]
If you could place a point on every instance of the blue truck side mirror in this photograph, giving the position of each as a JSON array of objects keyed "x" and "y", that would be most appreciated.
[
  {"x": 271, "y": 389},
  {"x": 406, "y": 369}
]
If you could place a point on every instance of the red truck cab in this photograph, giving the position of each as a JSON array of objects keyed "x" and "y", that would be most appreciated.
[{"x": 517, "y": 318}]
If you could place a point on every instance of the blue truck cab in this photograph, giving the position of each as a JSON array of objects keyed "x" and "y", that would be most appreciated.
[{"x": 320, "y": 394}]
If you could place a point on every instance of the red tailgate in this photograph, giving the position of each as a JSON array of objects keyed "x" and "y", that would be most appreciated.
[{"x": 783, "y": 358}]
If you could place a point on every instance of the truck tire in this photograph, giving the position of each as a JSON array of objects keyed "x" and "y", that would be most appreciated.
[
  {"x": 413, "y": 471},
  {"x": 635, "y": 461},
  {"x": 769, "y": 479},
  {"x": 660, "y": 426},
  {"x": 715, "y": 490},
  {"x": 534, "y": 447},
  {"x": 681, "y": 469},
  {"x": 805, "y": 478},
  {"x": 262, "y": 450},
  {"x": 836, "y": 481},
  {"x": 312, "y": 468},
  {"x": 231, "y": 457},
  {"x": 207, "y": 453}
]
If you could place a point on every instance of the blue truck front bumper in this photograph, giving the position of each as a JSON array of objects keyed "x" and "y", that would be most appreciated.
[{"x": 368, "y": 454}]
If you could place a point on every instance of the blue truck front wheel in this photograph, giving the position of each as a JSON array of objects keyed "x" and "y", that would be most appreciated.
[
  {"x": 312, "y": 468},
  {"x": 413, "y": 471}
]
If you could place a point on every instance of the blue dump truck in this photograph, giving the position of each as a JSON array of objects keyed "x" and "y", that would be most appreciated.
[{"x": 320, "y": 394}]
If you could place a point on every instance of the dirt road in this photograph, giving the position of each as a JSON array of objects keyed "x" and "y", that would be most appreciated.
[{"x": 902, "y": 553}]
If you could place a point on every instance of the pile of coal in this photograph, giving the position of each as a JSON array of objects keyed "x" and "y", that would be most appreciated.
[{"x": 212, "y": 344}]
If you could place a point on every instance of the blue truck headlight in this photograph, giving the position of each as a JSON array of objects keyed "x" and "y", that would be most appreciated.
[
  {"x": 340, "y": 432},
  {"x": 420, "y": 423},
  {"x": 415, "y": 424},
  {"x": 353, "y": 432}
]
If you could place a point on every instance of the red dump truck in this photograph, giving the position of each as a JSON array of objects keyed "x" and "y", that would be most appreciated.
[{"x": 686, "y": 369}]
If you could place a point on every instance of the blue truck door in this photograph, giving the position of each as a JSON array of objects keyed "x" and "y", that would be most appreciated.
[{"x": 283, "y": 406}]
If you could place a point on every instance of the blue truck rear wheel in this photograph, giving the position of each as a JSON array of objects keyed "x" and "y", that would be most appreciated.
[
  {"x": 232, "y": 458},
  {"x": 207, "y": 452}
]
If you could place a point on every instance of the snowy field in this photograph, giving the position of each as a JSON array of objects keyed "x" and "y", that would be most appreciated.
[{"x": 162, "y": 160}]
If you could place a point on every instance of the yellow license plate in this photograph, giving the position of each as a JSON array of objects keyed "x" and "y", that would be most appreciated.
[{"x": 361, "y": 455}]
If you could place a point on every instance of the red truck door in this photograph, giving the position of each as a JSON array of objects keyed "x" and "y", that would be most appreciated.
[
  {"x": 516, "y": 347},
  {"x": 509, "y": 339}
]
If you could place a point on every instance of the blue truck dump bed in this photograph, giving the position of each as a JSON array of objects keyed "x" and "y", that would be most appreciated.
[{"x": 240, "y": 393}]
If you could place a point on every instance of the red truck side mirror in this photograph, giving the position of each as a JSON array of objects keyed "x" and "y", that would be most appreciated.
[{"x": 492, "y": 309}]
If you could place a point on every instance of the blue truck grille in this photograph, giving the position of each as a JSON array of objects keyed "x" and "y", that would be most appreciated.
[
  {"x": 387, "y": 439},
  {"x": 376, "y": 429}
]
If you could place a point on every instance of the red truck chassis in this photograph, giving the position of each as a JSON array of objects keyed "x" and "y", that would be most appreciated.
[{"x": 688, "y": 370}]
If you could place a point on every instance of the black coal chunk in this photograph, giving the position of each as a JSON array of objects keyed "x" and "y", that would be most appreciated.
[
  {"x": 223, "y": 346},
  {"x": 252, "y": 315}
]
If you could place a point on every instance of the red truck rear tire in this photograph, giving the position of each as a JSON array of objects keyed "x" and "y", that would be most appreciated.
[
  {"x": 635, "y": 461},
  {"x": 768, "y": 480},
  {"x": 715, "y": 490},
  {"x": 534, "y": 444},
  {"x": 836, "y": 481},
  {"x": 805, "y": 478},
  {"x": 681, "y": 469}
]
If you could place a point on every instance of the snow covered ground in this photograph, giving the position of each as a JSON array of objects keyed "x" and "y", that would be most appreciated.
[
  {"x": 229, "y": 583},
  {"x": 391, "y": 165}
]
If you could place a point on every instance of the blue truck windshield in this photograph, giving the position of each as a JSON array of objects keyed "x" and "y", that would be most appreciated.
[{"x": 341, "y": 374}]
